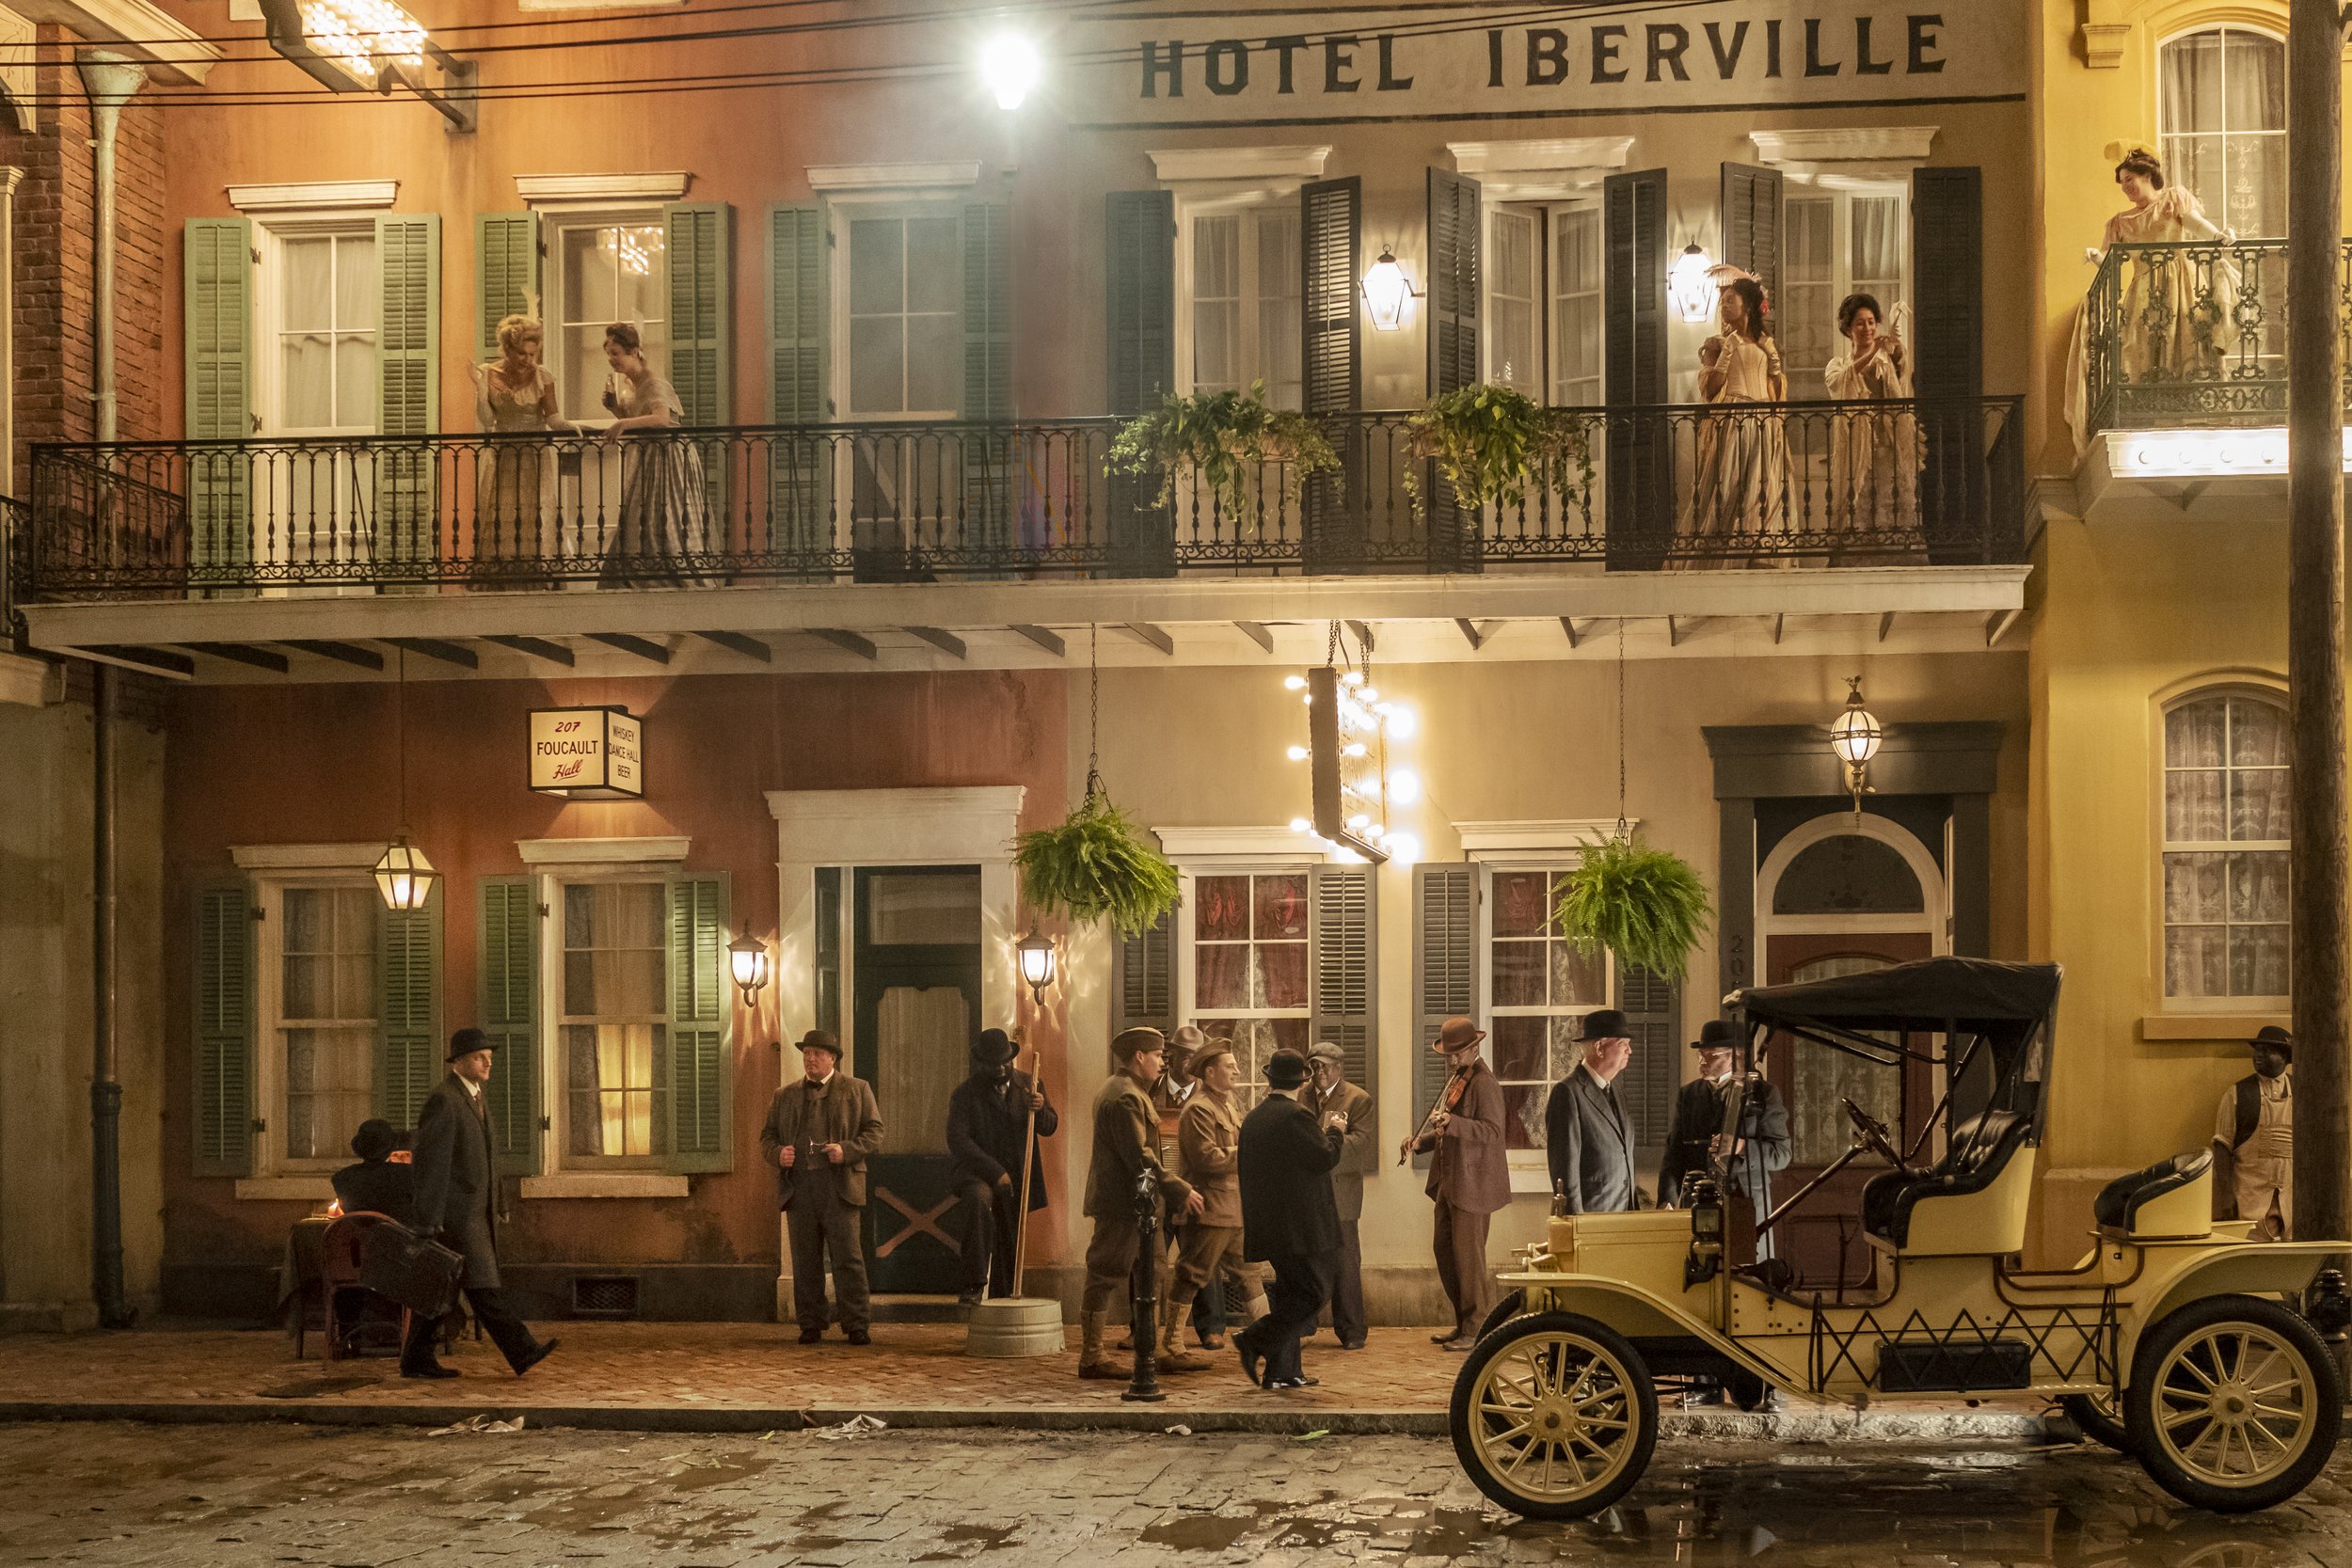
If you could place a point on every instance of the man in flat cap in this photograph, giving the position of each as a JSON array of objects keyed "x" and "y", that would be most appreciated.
[
  {"x": 1126, "y": 1146},
  {"x": 1470, "y": 1174},
  {"x": 456, "y": 1203},
  {"x": 1586, "y": 1136},
  {"x": 988, "y": 1117},
  {"x": 819, "y": 1133},
  {"x": 1696, "y": 1137},
  {"x": 1331, "y": 1096},
  {"x": 2254, "y": 1137},
  {"x": 384, "y": 1181},
  {"x": 1289, "y": 1220}
]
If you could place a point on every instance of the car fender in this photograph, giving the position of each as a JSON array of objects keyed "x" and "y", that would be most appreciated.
[
  {"x": 2241, "y": 1269},
  {"x": 1636, "y": 1314}
]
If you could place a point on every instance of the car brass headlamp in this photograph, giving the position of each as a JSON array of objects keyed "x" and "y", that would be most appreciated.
[{"x": 1706, "y": 1203}]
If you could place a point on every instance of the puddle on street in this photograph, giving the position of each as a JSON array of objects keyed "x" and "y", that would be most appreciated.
[
  {"x": 1201, "y": 1532},
  {"x": 987, "y": 1537}
]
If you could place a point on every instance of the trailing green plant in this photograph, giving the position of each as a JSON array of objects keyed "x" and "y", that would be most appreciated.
[
  {"x": 1225, "y": 440},
  {"x": 1491, "y": 444},
  {"x": 1097, "y": 863},
  {"x": 1648, "y": 906}
]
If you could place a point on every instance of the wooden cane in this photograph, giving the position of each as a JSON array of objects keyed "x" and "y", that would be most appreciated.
[{"x": 1020, "y": 1215}]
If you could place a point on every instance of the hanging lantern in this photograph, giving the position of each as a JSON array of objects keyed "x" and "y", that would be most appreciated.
[
  {"x": 1690, "y": 286},
  {"x": 1854, "y": 734},
  {"x": 1037, "y": 964},
  {"x": 404, "y": 875},
  {"x": 1386, "y": 289},
  {"x": 747, "y": 962}
]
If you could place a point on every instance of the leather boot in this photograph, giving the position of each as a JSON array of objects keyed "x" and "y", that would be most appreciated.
[
  {"x": 1173, "y": 1357},
  {"x": 1092, "y": 1363}
]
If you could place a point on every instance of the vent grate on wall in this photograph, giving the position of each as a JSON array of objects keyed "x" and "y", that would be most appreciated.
[{"x": 604, "y": 1295}]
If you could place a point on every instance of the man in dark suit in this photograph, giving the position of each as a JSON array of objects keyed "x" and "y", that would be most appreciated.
[
  {"x": 987, "y": 1117},
  {"x": 821, "y": 1131},
  {"x": 1328, "y": 1096},
  {"x": 1586, "y": 1137},
  {"x": 1289, "y": 1219},
  {"x": 1470, "y": 1174},
  {"x": 1697, "y": 1136},
  {"x": 456, "y": 1203},
  {"x": 383, "y": 1182}
]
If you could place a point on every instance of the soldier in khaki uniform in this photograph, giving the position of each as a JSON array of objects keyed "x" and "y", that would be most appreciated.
[
  {"x": 1126, "y": 1145},
  {"x": 1208, "y": 1145}
]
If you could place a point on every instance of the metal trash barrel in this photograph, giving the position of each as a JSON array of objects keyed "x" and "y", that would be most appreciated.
[{"x": 1009, "y": 1328}]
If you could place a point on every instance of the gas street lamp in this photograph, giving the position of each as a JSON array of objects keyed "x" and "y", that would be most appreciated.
[
  {"x": 1010, "y": 68},
  {"x": 747, "y": 962},
  {"x": 1854, "y": 734},
  {"x": 1037, "y": 964}
]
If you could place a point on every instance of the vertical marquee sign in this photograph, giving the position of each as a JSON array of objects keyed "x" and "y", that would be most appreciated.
[{"x": 587, "y": 753}]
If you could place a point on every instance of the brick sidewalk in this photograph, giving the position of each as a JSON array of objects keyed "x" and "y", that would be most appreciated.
[{"x": 752, "y": 1377}]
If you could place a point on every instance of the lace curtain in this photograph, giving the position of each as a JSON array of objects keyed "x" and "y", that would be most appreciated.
[{"x": 2225, "y": 115}]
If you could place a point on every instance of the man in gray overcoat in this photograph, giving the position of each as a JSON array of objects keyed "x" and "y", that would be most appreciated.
[
  {"x": 819, "y": 1133},
  {"x": 1586, "y": 1136},
  {"x": 456, "y": 1203}
]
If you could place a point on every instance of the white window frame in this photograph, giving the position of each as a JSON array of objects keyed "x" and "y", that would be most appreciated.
[
  {"x": 2167, "y": 135},
  {"x": 1248, "y": 206},
  {"x": 841, "y": 211},
  {"x": 559, "y": 1093},
  {"x": 553, "y": 225},
  {"x": 1246, "y": 1091},
  {"x": 2236, "y": 691},
  {"x": 1198, "y": 852},
  {"x": 270, "y": 235},
  {"x": 1546, "y": 214},
  {"x": 1530, "y": 1168},
  {"x": 1805, "y": 382}
]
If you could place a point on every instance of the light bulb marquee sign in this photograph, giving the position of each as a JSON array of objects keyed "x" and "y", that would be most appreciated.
[
  {"x": 1347, "y": 759},
  {"x": 370, "y": 46},
  {"x": 587, "y": 753}
]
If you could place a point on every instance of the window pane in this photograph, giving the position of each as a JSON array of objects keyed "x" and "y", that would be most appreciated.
[
  {"x": 2258, "y": 804},
  {"x": 2258, "y": 961},
  {"x": 1518, "y": 973},
  {"x": 2255, "y": 88},
  {"x": 1516, "y": 365},
  {"x": 329, "y": 1089},
  {"x": 1221, "y": 908},
  {"x": 1279, "y": 319},
  {"x": 1578, "y": 981},
  {"x": 877, "y": 359},
  {"x": 934, "y": 278},
  {"x": 1221, "y": 976},
  {"x": 1282, "y": 974},
  {"x": 307, "y": 396},
  {"x": 1522, "y": 903},
  {"x": 2258, "y": 887},
  {"x": 2192, "y": 83},
  {"x": 2193, "y": 888},
  {"x": 1280, "y": 907},
  {"x": 2192, "y": 806},
  {"x": 923, "y": 909},
  {"x": 640, "y": 275},
  {"x": 1216, "y": 256},
  {"x": 2193, "y": 734},
  {"x": 305, "y": 293},
  {"x": 356, "y": 283},
  {"x": 877, "y": 266},
  {"x": 590, "y": 294},
  {"x": 1877, "y": 243},
  {"x": 1216, "y": 345},
  {"x": 2195, "y": 960},
  {"x": 934, "y": 364},
  {"x": 2258, "y": 734},
  {"x": 355, "y": 383}
]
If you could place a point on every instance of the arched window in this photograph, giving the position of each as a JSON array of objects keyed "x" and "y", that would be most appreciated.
[
  {"x": 2224, "y": 126},
  {"x": 2225, "y": 848}
]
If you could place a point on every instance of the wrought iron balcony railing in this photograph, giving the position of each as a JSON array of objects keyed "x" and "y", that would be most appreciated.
[
  {"x": 14, "y": 536},
  {"x": 1828, "y": 484},
  {"x": 2190, "y": 334}
]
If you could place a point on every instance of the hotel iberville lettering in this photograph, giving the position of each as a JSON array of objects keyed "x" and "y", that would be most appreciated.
[
  {"x": 1161, "y": 68},
  {"x": 587, "y": 753}
]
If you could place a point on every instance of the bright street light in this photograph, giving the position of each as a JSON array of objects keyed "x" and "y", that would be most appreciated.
[{"x": 1010, "y": 68}]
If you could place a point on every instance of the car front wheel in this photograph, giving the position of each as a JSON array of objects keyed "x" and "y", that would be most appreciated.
[
  {"x": 2234, "y": 1405},
  {"x": 1554, "y": 1415}
]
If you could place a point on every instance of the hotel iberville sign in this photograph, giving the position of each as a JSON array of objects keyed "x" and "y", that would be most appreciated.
[{"x": 587, "y": 753}]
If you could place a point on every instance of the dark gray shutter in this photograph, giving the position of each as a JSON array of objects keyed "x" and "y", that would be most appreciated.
[
  {"x": 1445, "y": 968},
  {"x": 1752, "y": 226},
  {"x": 223, "y": 1124},
  {"x": 1331, "y": 359},
  {"x": 1454, "y": 288},
  {"x": 1143, "y": 978},
  {"x": 1140, "y": 328},
  {"x": 1343, "y": 936},
  {"x": 1652, "y": 1004},
  {"x": 1640, "y": 506},
  {"x": 1948, "y": 375},
  {"x": 509, "y": 970}
]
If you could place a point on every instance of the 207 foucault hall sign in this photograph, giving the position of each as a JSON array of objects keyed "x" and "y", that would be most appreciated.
[
  {"x": 1173, "y": 67},
  {"x": 587, "y": 753}
]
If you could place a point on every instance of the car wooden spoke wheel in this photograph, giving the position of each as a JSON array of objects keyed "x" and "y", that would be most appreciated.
[
  {"x": 2234, "y": 1404},
  {"x": 1554, "y": 1415}
]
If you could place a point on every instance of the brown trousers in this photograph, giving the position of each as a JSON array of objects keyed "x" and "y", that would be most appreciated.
[
  {"x": 1208, "y": 1252},
  {"x": 1461, "y": 1241},
  {"x": 1110, "y": 1260}
]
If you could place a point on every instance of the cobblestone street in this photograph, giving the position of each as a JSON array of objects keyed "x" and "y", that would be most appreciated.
[{"x": 161, "y": 1496}]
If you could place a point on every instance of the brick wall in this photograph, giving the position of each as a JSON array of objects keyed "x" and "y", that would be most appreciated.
[{"x": 55, "y": 245}]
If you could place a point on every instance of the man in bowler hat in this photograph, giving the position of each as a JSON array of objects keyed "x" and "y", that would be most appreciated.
[
  {"x": 986, "y": 1117},
  {"x": 456, "y": 1202},
  {"x": 1289, "y": 1219},
  {"x": 1696, "y": 1137},
  {"x": 1470, "y": 1174},
  {"x": 821, "y": 1131},
  {"x": 1586, "y": 1136},
  {"x": 384, "y": 1181}
]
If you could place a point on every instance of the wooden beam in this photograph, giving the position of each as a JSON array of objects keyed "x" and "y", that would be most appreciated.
[
  {"x": 1256, "y": 632},
  {"x": 1997, "y": 627},
  {"x": 849, "y": 641},
  {"x": 348, "y": 653},
  {"x": 736, "y": 642},
  {"x": 1049, "y": 640},
  {"x": 1780, "y": 628},
  {"x": 1887, "y": 625},
  {"x": 1471, "y": 633},
  {"x": 1363, "y": 631},
  {"x": 1674, "y": 631},
  {"x": 434, "y": 647},
  {"x": 644, "y": 648},
  {"x": 243, "y": 653},
  {"x": 143, "y": 659},
  {"x": 538, "y": 647},
  {"x": 946, "y": 643},
  {"x": 1575, "y": 639},
  {"x": 1145, "y": 632}
]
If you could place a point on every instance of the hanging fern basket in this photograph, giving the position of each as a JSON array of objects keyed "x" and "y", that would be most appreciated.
[
  {"x": 1648, "y": 906},
  {"x": 1098, "y": 865}
]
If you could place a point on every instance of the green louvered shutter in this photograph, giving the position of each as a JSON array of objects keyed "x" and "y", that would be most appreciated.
[
  {"x": 799, "y": 467},
  {"x": 408, "y": 384},
  {"x": 217, "y": 285},
  {"x": 223, "y": 1125},
  {"x": 700, "y": 1061},
  {"x": 1140, "y": 327},
  {"x": 1652, "y": 1004},
  {"x": 989, "y": 457},
  {"x": 699, "y": 237},
  {"x": 1445, "y": 969},
  {"x": 510, "y": 995},
  {"x": 409, "y": 1010},
  {"x": 1344, "y": 938},
  {"x": 506, "y": 273}
]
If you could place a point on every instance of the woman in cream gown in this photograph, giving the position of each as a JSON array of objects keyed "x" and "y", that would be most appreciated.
[
  {"x": 1743, "y": 462},
  {"x": 512, "y": 395},
  {"x": 1875, "y": 453}
]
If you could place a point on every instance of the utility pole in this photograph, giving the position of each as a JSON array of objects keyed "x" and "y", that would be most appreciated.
[{"x": 2322, "y": 929}]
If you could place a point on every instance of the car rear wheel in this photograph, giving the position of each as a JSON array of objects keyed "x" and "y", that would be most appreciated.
[
  {"x": 2234, "y": 1405},
  {"x": 2099, "y": 1418},
  {"x": 1513, "y": 1304},
  {"x": 1554, "y": 1415}
]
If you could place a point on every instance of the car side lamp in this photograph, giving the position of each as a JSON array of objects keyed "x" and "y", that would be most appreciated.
[
  {"x": 2329, "y": 1307},
  {"x": 1705, "y": 1200}
]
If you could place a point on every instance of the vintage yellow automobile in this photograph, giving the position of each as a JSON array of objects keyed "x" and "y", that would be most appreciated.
[{"x": 2176, "y": 1339}]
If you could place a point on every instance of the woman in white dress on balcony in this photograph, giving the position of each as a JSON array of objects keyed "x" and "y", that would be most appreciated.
[
  {"x": 664, "y": 496},
  {"x": 1742, "y": 464},
  {"x": 2176, "y": 315},
  {"x": 1875, "y": 453},
  {"x": 514, "y": 394}
]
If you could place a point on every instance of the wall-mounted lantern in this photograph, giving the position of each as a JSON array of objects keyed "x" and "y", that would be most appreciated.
[
  {"x": 1386, "y": 287},
  {"x": 1010, "y": 68},
  {"x": 1037, "y": 964},
  {"x": 370, "y": 46},
  {"x": 747, "y": 962},
  {"x": 1854, "y": 734},
  {"x": 1690, "y": 286}
]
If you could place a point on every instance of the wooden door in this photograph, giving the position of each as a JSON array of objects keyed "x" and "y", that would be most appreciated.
[{"x": 1823, "y": 1241}]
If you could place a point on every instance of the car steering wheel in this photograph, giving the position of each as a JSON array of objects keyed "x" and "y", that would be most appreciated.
[{"x": 1873, "y": 1133}]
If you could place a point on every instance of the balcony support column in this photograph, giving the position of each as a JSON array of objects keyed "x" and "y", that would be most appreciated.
[{"x": 2321, "y": 931}]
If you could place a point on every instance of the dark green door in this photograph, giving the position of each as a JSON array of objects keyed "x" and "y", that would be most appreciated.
[{"x": 917, "y": 967}]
